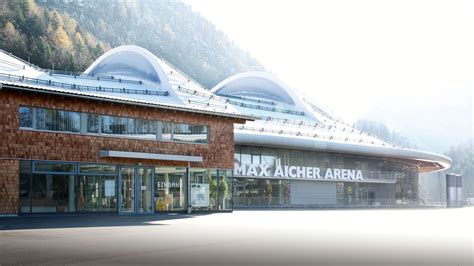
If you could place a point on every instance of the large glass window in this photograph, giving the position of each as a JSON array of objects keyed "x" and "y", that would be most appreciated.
[
  {"x": 57, "y": 120},
  {"x": 190, "y": 133},
  {"x": 97, "y": 193},
  {"x": 170, "y": 188},
  {"x": 53, "y": 193},
  {"x": 204, "y": 192},
  {"x": 261, "y": 192},
  {"x": 66, "y": 121}
]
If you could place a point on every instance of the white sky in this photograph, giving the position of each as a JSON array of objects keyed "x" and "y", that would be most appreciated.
[{"x": 348, "y": 55}]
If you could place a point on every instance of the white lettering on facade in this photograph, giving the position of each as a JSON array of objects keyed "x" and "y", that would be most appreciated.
[
  {"x": 328, "y": 174},
  {"x": 300, "y": 172},
  {"x": 239, "y": 169},
  {"x": 359, "y": 175},
  {"x": 264, "y": 170},
  {"x": 279, "y": 171},
  {"x": 252, "y": 171},
  {"x": 292, "y": 171}
]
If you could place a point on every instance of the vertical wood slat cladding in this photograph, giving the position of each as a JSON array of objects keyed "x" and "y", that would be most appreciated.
[{"x": 28, "y": 144}]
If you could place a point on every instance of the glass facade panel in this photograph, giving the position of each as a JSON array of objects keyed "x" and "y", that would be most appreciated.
[
  {"x": 47, "y": 167},
  {"x": 261, "y": 192},
  {"x": 385, "y": 182},
  {"x": 204, "y": 190},
  {"x": 104, "y": 169},
  {"x": 93, "y": 123},
  {"x": 170, "y": 189},
  {"x": 26, "y": 117},
  {"x": 57, "y": 120},
  {"x": 190, "y": 133},
  {"x": 166, "y": 131},
  {"x": 53, "y": 193},
  {"x": 66, "y": 121},
  {"x": 97, "y": 193},
  {"x": 45, "y": 187},
  {"x": 225, "y": 190},
  {"x": 145, "y": 189},
  {"x": 127, "y": 189},
  {"x": 25, "y": 186}
]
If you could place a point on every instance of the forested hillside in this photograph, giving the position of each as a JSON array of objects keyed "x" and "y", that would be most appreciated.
[
  {"x": 70, "y": 36},
  {"x": 384, "y": 133}
]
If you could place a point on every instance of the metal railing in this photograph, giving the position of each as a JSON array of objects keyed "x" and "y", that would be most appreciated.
[
  {"x": 81, "y": 75},
  {"x": 207, "y": 104},
  {"x": 265, "y": 108},
  {"x": 248, "y": 99},
  {"x": 52, "y": 83},
  {"x": 311, "y": 135}
]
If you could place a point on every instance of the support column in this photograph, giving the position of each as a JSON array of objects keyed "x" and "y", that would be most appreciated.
[{"x": 451, "y": 191}]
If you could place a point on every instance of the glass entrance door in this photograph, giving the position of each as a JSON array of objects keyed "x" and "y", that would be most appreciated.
[
  {"x": 144, "y": 179},
  {"x": 136, "y": 189},
  {"x": 127, "y": 189}
]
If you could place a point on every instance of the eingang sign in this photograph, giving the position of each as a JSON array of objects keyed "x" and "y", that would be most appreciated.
[{"x": 297, "y": 172}]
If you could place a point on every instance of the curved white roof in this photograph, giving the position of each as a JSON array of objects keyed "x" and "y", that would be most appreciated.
[{"x": 130, "y": 61}]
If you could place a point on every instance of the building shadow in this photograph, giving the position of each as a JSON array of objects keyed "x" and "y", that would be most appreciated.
[{"x": 46, "y": 221}]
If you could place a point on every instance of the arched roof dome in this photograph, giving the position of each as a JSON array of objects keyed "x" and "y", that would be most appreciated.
[
  {"x": 129, "y": 61},
  {"x": 258, "y": 85}
]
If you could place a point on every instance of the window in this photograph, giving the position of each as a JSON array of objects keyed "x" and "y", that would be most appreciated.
[
  {"x": 56, "y": 120},
  {"x": 170, "y": 188},
  {"x": 26, "y": 117},
  {"x": 93, "y": 123},
  {"x": 75, "y": 122},
  {"x": 166, "y": 130},
  {"x": 103, "y": 169},
  {"x": 190, "y": 133},
  {"x": 49, "y": 167}
]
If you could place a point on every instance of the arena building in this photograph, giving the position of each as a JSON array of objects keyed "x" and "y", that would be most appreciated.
[{"x": 133, "y": 134}]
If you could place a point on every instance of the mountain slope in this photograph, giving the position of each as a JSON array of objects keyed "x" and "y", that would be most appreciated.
[{"x": 72, "y": 35}]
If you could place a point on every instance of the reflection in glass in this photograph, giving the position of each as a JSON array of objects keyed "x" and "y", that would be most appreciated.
[
  {"x": 170, "y": 189},
  {"x": 97, "y": 194},
  {"x": 26, "y": 117},
  {"x": 104, "y": 169},
  {"x": 145, "y": 182},
  {"x": 225, "y": 190},
  {"x": 53, "y": 193},
  {"x": 127, "y": 189},
  {"x": 261, "y": 192},
  {"x": 24, "y": 189},
  {"x": 54, "y": 167}
]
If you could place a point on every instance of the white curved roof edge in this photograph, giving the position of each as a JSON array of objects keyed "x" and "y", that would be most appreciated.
[
  {"x": 242, "y": 137},
  {"x": 152, "y": 59},
  {"x": 299, "y": 105}
]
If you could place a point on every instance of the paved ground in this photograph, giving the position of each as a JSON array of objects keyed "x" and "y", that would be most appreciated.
[{"x": 287, "y": 237}]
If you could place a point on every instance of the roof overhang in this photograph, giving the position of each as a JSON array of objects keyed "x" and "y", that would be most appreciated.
[
  {"x": 105, "y": 98},
  {"x": 149, "y": 156},
  {"x": 426, "y": 161}
]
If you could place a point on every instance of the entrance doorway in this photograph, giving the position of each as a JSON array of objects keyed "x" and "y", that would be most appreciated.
[{"x": 136, "y": 189}]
